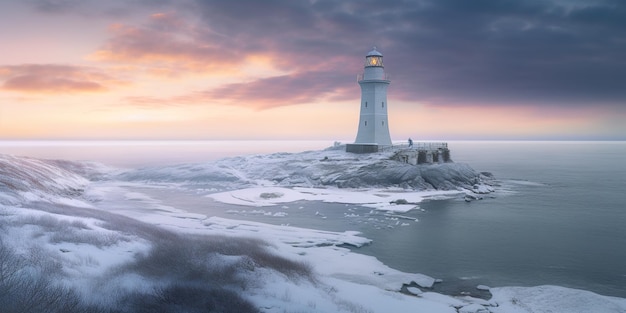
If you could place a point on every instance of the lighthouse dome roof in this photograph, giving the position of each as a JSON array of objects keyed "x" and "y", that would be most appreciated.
[{"x": 374, "y": 52}]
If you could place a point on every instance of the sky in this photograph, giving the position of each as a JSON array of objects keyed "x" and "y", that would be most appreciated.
[{"x": 286, "y": 69}]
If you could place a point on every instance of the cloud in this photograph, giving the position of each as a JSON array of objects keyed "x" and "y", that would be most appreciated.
[
  {"x": 51, "y": 78},
  {"x": 168, "y": 44},
  {"x": 511, "y": 52},
  {"x": 54, "y": 6},
  {"x": 264, "y": 93},
  {"x": 97, "y": 8},
  {"x": 442, "y": 52},
  {"x": 449, "y": 51},
  {"x": 285, "y": 90},
  {"x": 50, "y": 84}
]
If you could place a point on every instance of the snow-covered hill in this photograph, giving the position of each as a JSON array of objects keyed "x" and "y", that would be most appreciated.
[{"x": 27, "y": 179}]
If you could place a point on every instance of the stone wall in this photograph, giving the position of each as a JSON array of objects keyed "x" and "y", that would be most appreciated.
[{"x": 422, "y": 156}]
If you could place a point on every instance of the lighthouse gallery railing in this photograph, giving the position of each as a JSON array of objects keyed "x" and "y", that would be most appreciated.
[{"x": 384, "y": 76}]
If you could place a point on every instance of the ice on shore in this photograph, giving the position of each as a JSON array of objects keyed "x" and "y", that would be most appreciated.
[
  {"x": 346, "y": 281},
  {"x": 375, "y": 198},
  {"x": 293, "y": 236},
  {"x": 546, "y": 299}
]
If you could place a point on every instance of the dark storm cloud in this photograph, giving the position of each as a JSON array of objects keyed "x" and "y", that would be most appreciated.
[
  {"x": 108, "y": 8},
  {"x": 515, "y": 51},
  {"x": 449, "y": 51},
  {"x": 443, "y": 52}
]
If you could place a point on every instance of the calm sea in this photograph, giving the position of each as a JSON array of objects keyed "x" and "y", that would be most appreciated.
[
  {"x": 562, "y": 224},
  {"x": 558, "y": 219}
]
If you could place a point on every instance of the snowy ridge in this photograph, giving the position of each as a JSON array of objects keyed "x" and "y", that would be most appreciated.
[{"x": 30, "y": 179}]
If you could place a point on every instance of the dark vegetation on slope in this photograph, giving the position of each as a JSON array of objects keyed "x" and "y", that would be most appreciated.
[
  {"x": 188, "y": 273},
  {"x": 26, "y": 285}
]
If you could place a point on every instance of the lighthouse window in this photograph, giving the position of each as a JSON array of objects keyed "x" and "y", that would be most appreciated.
[
  {"x": 365, "y": 123},
  {"x": 366, "y": 104},
  {"x": 383, "y": 104}
]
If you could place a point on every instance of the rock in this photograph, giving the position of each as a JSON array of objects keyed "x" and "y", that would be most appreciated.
[
  {"x": 271, "y": 195},
  {"x": 449, "y": 176},
  {"x": 482, "y": 189},
  {"x": 399, "y": 201},
  {"x": 470, "y": 197}
]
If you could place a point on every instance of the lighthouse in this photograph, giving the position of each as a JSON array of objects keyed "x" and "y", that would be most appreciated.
[{"x": 373, "y": 131}]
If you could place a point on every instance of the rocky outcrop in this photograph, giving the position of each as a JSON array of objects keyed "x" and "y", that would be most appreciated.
[
  {"x": 317, "y": 169},
  {"x": 389, "y": 173},
  {"x": 448, "y": 176}
]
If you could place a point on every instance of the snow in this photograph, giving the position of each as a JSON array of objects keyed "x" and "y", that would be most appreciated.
[
  {"x": 473, "y": 308},
  {"x": 544, "y": 299},
  {"x": 345, "y": 281},
  {"x": 376, "y": 198},
  {"x": 367, "y": 298},
  {"x": 28, "y": 179},
  {"x": 293, "y": 236},
  {"x": 338, "y": 262},
  {"x": 483, "y": 287},
  {"x": 414, "y": 290},
  {"x": 84, "y": 260},
  {"x": 482, "y": 189}
]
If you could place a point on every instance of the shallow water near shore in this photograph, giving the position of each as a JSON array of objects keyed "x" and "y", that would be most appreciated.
[{"x": 558, "y": 217}]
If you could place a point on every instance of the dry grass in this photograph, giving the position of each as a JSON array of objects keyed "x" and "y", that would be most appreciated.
[{"x": 189, "y": 273}]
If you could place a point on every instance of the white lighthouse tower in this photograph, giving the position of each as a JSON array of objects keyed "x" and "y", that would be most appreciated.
[{"x": 373, "y": 130}]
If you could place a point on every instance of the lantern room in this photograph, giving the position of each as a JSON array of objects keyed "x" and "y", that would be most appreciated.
[{"x": 374, "y": 58}]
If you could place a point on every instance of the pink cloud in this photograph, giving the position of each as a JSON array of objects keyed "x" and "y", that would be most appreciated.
[
  {"x": 168, "y": 44},
  {"x": 263, "y": 93},
  {"x": 284, "y": 90},
  {"x": 51, "y": 78}
]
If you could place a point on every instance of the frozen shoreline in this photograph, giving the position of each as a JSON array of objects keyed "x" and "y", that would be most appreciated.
[
  {"x": 360, "y": 278},
  {"x": 380, "y": 199},
  {"x": 350, "y": 281}
]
